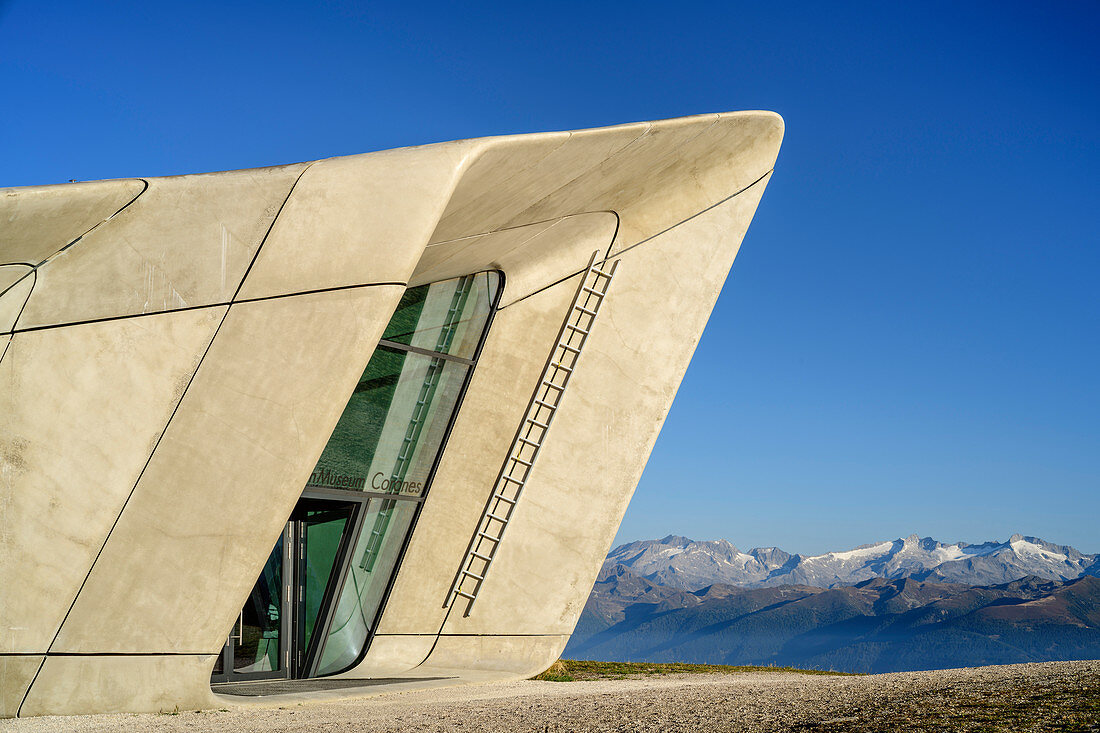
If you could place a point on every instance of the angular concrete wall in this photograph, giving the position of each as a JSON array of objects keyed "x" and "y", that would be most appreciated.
[{"x": 175, "y": 353}]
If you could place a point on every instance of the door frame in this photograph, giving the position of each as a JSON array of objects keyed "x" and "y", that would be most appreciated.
[
  {"x": 296, "y": 661},
  {"x": 286, "y": 626},
  {"x": 304, "y": 659}
]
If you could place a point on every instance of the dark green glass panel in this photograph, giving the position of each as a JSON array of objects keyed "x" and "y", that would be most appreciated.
[
  {"x": 346, "y": 460},
  {"x": 446, "y": 317},
  {"x": 390, "y": 432},
  {"x": 403, "y": 324},
  {"x": 321, "y": 534}
]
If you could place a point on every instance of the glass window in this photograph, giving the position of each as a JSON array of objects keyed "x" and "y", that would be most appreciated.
[
  {"x": 372, "y": 565},
  {"x": 446, "y": 317},
  {"x": 389, "y": 437}
]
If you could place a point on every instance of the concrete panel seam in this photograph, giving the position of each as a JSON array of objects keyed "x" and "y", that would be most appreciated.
[
  {"x": 610, "y": 244},
  {"x": 555, "y": 219},
  {"x": 34, "y": 267},
  {"x": 113, "y": 654},
  {"x": 502, "y": 184},
  {"x": 208, "y": 305},
  {"x": 696, "y": 214},
  {"x": 431, "y": 477},
  {"x": 484, "y": 635},
  {"x": 25, "y": 275},
  {"x": 137, "y": 481},
  {"x": 167, "y": 424},
  {"x": 270, "y": 226},
  {"x": 145, "y": 187},
  {"x": 33, "y": 274},
  {"x": 509, "y": 485},
  {"x": 26, "y": 694}
]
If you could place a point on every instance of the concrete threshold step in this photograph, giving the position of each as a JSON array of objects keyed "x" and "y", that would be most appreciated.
[{"x": 263, "y": 688}]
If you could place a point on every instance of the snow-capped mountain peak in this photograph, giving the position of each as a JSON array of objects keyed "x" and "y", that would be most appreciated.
[{"x": 685, "y": 563}]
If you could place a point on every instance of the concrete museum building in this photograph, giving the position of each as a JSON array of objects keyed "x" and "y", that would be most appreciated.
[{"x": 367, "y": 418}]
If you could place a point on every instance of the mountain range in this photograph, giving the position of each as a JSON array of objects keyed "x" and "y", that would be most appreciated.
[
  {"x": 682, "y": 563},
  {"x": 907, "y": 604}
]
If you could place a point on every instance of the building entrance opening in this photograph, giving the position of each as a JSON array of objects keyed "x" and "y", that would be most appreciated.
[
  {"x": 316, "y": 604},
  {"x": 275, "y": 635}
]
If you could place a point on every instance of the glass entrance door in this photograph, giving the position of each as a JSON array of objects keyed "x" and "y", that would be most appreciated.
[
  {"x": 274, "y": 634},
  {"x": 321, "y": 530}
]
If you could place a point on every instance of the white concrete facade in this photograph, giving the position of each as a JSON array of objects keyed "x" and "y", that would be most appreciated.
[{"x": 175, "y": 354}]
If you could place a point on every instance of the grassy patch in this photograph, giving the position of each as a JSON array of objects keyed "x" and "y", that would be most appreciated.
[
  {"x": 1043, "y": 707},
  {"x": 571, "y": 670}
]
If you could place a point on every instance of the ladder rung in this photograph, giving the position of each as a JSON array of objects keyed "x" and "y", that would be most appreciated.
[{"x": 597, "y": 290}]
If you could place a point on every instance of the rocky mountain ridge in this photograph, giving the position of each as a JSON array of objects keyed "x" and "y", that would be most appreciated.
[
  {"x": 876, "y": 625},
  {"x": 679, "y": 562}
]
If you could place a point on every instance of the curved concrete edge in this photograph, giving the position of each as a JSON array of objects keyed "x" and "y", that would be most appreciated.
[
  {"x": 366, "y": 219},
  {"x": 152, "y": 683},
  {"x": 652, "y": 174},
  {"x": 391, "y": 655},
  {"x": 39, "y": 221},
  {"x": 498, "y": 659},
  {"x": 413, "y": 681},
  {"x": 358, "y": 219},
  {"x": 16, "y": 674},
  {"x": 532, "y": 257},
  {"x": 16, "y": 284},
  {"x": 12, "y": 274}
]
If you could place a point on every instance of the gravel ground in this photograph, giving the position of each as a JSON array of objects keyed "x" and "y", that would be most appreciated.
[{"x": 1055, "y": 696}]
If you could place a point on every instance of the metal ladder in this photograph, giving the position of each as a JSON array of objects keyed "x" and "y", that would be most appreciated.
[
  {"x": 419, "y": 416},
  {"x": 532, "y": 433}
]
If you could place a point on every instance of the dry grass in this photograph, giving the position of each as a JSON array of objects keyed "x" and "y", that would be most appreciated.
[
  {"x": 1035, "y": 708},
  {"x": 572, "y": 670}
]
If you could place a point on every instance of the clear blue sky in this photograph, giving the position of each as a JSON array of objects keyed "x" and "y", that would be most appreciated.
[{"x": 909, "y": 338}]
